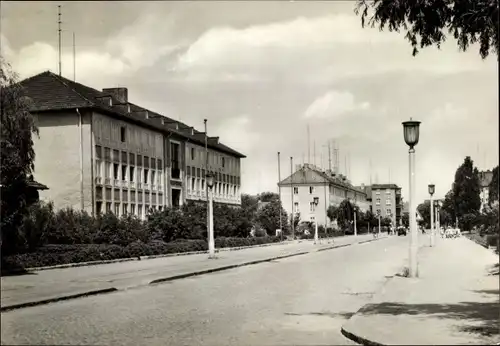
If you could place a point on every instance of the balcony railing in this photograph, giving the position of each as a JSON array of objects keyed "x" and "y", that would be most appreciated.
[
  {"x": 107, "y": 181},
  {"x": 146, "y": 186},
  {"x": 139, "y": 185},
  {"x": 98, "y": 180},
  {"x": 153, "y": 187}
]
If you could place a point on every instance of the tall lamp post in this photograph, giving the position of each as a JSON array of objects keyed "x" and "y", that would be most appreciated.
[
  {"x": 431, "y": 192},
  {"x": 211, "y": 240},
  {"x": 315, "y": 203},
  {"x": 411, "y": 134}
]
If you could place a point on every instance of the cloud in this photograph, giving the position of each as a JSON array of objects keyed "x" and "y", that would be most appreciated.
[
  {"x": 334, "y": 104},
  {"x": 237, "y": 133}
]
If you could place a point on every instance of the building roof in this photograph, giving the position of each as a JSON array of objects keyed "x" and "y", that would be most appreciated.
[
  {"x": 385, "y": 187},
  {"x": 51, "y": 92},
  {"x": 309, "y": 174}
]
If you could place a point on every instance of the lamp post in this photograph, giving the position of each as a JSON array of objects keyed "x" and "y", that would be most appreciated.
[
  {"x": 315, "y": 203},
  {"x": 431, "y": 192},
  {"x": 378, "y": 225},
  {"x": 211, "y": 240},
  {"x": 355, "y": 229},
  {"x": 411, "y": 134}
]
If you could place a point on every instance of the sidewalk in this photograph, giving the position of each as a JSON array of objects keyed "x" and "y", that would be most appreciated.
[
  {"x": 46, "y": 286},
  {"x": 455, "y": 301}
]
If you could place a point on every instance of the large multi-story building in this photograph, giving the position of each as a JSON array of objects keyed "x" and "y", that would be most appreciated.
[
  {"x": 96, "y": 151},
  {"x": 485, "y": 178},
  {"x": 308, "y": 183},
  {"x": 387, "y": 201}
]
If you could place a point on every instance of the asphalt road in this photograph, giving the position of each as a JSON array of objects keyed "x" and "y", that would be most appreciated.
[
  {"x": 54, "y": 283},
  {"x": 301, "y": 300}
]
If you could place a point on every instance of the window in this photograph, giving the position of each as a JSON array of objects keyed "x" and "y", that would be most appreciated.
[
  {"x": 193, "y": 183},
  {"x": 115, "y": 170},
  {"x": 122, "y": 133},
  {"x": 125, "y": 208},
  {"x": 124, "y": 172},
  {"x": 387, "y": 192},
  {"x": 311, "y": 206},
  {"x": 311, "y": 189},
  {"x": 377, "y": 192},
  {"x": 192, "y": 153},
  {"x": 117, "y": 209},
  {"x": 132, "y": 209},
  {"x": 387, "y": 202},
  {"x": 107, "y": 169},
  {"x": 131, "y": 173},
  {"x": 378, "y": 200},
  {"x": 379, "y": 211},
  {"x": 139, "y": 210},
  {"x": 296, "y": 207},
  {"x": 203, "y": 184},
  {"x": 98, "y": 207},
  {"x": 388, "y": 212},
  {"x": 153, "y": 176},
  {"x": 108, "y": 207},
  {"x": 295, "y": 190},
  {"x": 174, "y": 160},
  {"x": 223, "y": 162},
  {"x": 98, "y": 168}
]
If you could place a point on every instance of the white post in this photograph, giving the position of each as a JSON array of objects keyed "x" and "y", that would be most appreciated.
[
  {"x": 379, "y": 225},
  {"x": 413, "y": 218},
  {"x": 355, "y": 229},
  {"x": 432, "y": 222},
  {"x": 211, "y": 240}
]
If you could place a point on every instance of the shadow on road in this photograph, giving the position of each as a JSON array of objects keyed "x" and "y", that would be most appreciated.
[
  {"x": 483, "y": 317},
  {"x": 345, "y": 315}
]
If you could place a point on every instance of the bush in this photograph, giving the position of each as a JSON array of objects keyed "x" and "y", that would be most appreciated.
[{"x": 492, "y": 240}]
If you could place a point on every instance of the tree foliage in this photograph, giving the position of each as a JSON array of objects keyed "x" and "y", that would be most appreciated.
[
  {"x": 424, "y": 209},
  {"x": 17, "y": 154},
  {"x": 268, "y": 217},
  {"x": 447, "y": 213},
  {"x": 405, "y": 219},
  {"x": 427, "y": 23},
  {"x": 466, "y": 189},
  {"x": 493, "y": 187}
]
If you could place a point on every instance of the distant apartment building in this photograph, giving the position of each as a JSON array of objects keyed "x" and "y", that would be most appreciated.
[
  {"x": 99, "y": 152},
  {"x": 485, "y": 178},
  {"x": 309, "y": 182},
  {"x": 387, "y": 201}
]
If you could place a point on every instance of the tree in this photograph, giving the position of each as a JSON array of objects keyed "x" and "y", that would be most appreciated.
[
  {"x": 268, "y": 197},
  {"x": 17, "y": 156},
  {"x": 405, "y": 219},
  {"x": 345, "y": 213},
  {"x": 493, "y": 187},
  {"x": 466, "y": 189},
  {"x": 426, "y": 22},
  {"x": 370, "y": 219},
  {"x": 386, "y": 221},
  {"x": 424, "y": 209},
  {"x": 268, "y": 217},
  {"x": 447, "y": 213},
  {"x": 331, "y": 212}
]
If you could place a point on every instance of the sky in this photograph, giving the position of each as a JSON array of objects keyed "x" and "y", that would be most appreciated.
[{"x": 261, "y": 72}]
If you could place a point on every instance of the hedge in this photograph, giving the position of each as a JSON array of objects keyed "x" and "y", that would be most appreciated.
[{"x": 55, "y": 254}]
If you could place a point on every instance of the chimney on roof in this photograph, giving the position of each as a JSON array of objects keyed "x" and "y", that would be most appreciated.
[
  {"x": 120, "y": 94},
  {"x": 106, "y": 99},
  {"x": 297, "y": 167}
]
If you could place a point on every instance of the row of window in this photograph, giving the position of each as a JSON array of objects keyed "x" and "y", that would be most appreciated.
[
  {"x": 387, "y": 201},
  {"x": 120, "y": 209},
  {"x": 213, "y": 159},
  {"x": 387, "y": 192},
  {"x": 125, "y": 172},
  {"x": 197, "y": 184},
  {"x": 388, "y": 212},
  {"x": 219, "y": 177},
  {"x": 338, "y": 192}
]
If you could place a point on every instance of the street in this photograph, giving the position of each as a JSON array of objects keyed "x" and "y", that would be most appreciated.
[{"x": 301, "y": 300}]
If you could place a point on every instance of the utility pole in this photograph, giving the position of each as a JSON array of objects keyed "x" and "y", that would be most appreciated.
[
  {"x": 329, "y": 157},
  {"x": 279, "y": 193},
  {"x": 291, "y": 194},
  {"x": 308, "y": 145},
  {"x": 59, "y": 32}
]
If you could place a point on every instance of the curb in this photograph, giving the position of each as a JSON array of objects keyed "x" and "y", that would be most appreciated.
[
  {"x": 358, "y": 339},
  {"x": 57, "y": 299},
  {"x": 214, "y": 270}
]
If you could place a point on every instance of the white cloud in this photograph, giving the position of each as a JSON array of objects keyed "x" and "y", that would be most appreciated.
[
  {"x": 334, "y": 104},
  {"x": 236, "y": 133}
]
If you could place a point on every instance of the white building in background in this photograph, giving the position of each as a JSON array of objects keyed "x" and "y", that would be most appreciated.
[{"x": 309, "y": 182}]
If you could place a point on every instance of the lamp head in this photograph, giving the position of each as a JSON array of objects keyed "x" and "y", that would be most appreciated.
[
  {"x": 431, "y": 189},
  {"x": 316, "y": 200},
  {"x": 210, "y": 180},
  {"x": 411, "y": 132}
]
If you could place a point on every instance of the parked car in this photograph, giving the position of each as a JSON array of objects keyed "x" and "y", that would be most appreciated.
[{"x": 401, "y": 231}]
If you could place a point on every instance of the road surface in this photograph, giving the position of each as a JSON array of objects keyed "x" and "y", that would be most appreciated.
[{"x": 301, "y": 300}]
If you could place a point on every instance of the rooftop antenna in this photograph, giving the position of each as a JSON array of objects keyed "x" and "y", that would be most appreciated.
[
  {"x": 308, "y": 145},
  {"x": 329, "y": 158},
  {"x": 74, "y": 58},
  {"x": 314, "y": 153},
  {"x": 59, "y": 32}
]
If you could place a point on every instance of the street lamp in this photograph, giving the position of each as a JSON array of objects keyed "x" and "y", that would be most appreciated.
[
  {"x": 431, "y": 192},
  {"x": 211, "y": 240},
  {"x": 315, "y": 203},
  {"x": 411, "y": 134}
]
